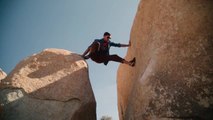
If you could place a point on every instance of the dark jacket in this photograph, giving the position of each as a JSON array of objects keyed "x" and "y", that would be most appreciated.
[{"x": 104, "y": 49}]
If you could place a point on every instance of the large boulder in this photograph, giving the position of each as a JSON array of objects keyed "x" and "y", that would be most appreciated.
[
  {"x": 51, "y": 85},
  {"x": 173, "y": 77},
  {"x": 2, "y": 74}
]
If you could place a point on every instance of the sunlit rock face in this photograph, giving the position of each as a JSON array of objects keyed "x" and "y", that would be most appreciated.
[
  {"x": 2, "y": 74},
  {"x": 51, "y": 85},
  {"x": 172, "y": 41}
]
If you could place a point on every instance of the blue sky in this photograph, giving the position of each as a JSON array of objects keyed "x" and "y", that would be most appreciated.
[{"x": 29, "y": 26}]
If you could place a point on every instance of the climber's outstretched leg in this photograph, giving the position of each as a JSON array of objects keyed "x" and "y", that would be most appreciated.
[
  {"x": 131, "y": 63},
  {"x": 116, "y": 58}
]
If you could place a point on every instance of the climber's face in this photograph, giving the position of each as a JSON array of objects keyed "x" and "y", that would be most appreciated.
[{"x": 107, "y": 37}]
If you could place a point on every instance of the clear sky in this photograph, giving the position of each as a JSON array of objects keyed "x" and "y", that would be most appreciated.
[{"x": 29, "y": 26}]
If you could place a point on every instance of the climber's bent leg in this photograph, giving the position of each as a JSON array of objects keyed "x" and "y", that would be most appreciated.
[
  {"x": 95, "y": 57},
  {"x": 94, "y": 47}
]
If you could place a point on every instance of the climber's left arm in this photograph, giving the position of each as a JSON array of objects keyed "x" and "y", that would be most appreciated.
[
  {"x": 125, "y": 45},
  {"x": 120, "y": 45}
]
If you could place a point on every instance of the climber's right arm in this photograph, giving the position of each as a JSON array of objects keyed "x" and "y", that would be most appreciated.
[{"x": 86, "y": 52}]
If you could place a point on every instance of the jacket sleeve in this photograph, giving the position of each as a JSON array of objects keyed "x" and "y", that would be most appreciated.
[
  {"x": 96, "y": 40},
  {"x": 115, "y": 44}
]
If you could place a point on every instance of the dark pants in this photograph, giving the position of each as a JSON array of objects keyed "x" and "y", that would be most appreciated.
[{"x": 95, "y": 56}]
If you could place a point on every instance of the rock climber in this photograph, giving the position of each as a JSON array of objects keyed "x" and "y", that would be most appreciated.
[{"x": 98, "y": 51}]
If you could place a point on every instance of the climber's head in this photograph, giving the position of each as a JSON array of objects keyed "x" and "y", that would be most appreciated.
[{"x": 107, "y": 36}]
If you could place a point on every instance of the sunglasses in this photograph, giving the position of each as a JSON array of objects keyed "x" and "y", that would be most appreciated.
[{"x": 108, "y": 37}]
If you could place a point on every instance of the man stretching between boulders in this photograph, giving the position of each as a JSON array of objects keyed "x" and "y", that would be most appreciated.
[{"x": 99, "y": 51}]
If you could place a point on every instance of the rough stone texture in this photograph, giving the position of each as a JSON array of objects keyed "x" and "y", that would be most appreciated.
[
  {"x": 172, "y": 41},
  {"x": 51, "y": 85},
  {"x": 2, "y": 74}
]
